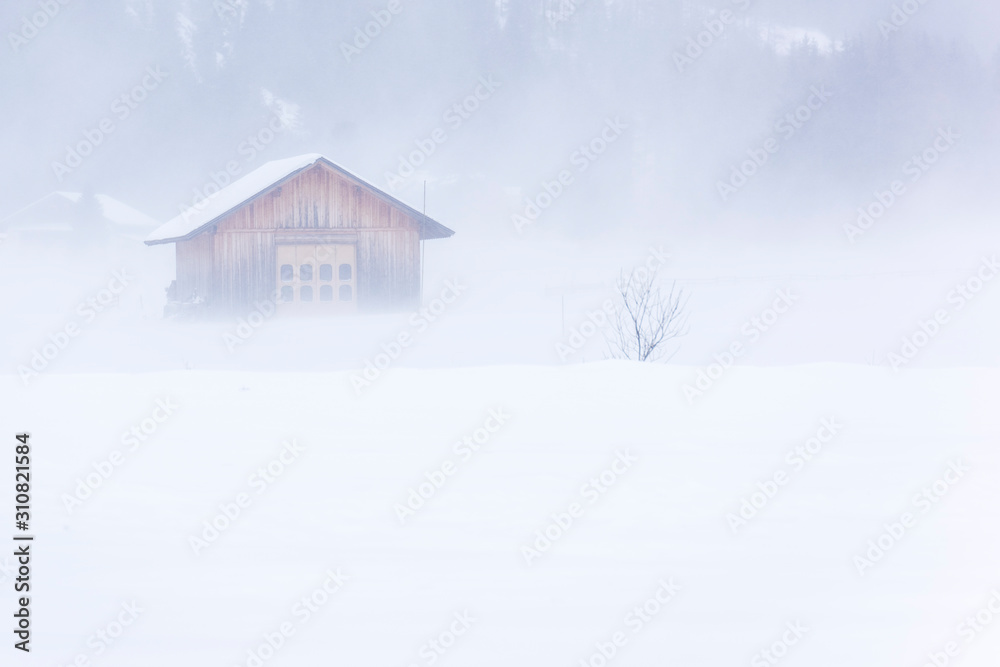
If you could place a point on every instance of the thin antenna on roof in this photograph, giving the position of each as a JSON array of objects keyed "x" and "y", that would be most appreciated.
[{"x": 422, "y": 250}]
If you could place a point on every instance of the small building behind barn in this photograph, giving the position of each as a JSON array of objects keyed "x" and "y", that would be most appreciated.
[
  {"x": 305, "y": 233},
  {"x": 68, "y": 218}
]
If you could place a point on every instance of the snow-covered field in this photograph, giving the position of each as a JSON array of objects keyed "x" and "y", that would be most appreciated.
[
  {"x": 463, "y": 578},
  {"x": 478, "y": 500}
]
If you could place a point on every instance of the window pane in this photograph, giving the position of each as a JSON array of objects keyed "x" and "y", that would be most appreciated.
[
  {"x": 287, "y": 273},
  {"x": 286, "y": 293},
  {"x": 326, "y": 272},
  {"x": 346, "y": 293},
  {"x": 306, "y": 294},
  {"x": 345, "y": 274},
  {"x": 326, "y": 291},
  {"x": 306, "y": 272}
]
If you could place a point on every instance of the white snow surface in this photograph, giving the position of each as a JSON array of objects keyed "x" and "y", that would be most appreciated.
[
  {"x": 665, "y": 518},
  {"x": 495, "y": 349}
]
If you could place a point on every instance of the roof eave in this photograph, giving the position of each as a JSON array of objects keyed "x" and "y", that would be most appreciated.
[{"x": 432, "y": 229}]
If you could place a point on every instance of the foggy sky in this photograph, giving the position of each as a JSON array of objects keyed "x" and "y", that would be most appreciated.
[{"x": 228, "y": 69}]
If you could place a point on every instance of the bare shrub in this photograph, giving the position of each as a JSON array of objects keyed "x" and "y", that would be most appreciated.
[{"x": 646, "y": 318}]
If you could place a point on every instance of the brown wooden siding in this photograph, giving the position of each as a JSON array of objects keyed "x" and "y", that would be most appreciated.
[
  {"x": 194, "y": 268},
  {"x": 389, "y": 268},
  {"x": 245, "y": 271}
]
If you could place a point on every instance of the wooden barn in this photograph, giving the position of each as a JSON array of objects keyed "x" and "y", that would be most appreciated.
[{"x": 305, "y": 233}]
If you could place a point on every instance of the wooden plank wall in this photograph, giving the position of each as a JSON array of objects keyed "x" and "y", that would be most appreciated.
[
  {"x": 317, "y": 201},
  {"x": 194, "y": 268}
]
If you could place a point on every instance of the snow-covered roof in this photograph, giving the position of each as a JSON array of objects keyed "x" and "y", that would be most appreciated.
[
  {"x": 195, "y": 219},
  {"x": 122, "y": 214}
]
